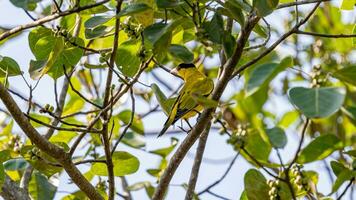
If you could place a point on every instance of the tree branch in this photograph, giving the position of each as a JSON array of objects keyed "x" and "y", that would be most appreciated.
[
  {"x": 197, "y": 163},
  {"x": 206, "y": 116},
  {"x": 47, "y": 19},
  {"x": 43, "y": 144},
  {"x": 325, "y": 35}
]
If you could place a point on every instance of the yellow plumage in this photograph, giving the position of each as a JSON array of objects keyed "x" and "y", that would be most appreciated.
[{"x": 195, "y": 83}]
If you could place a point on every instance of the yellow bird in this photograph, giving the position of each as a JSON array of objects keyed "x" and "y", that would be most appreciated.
[{"x": 195, "y": 84}]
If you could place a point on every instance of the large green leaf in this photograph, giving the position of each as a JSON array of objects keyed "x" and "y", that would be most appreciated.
[
  {"x": 257, "y": 147},
  {"x": 52, "y": 53},
  {"x": 40, "y": 188},
  {"x": 215, "y": 28},
  {"x": 9, "y": 67},
  {"x": 25, "y": 4},
  {"x": 181, "y": 52},
  {"x": 133, "y": 9},
  {"x": 265, "y": 7},
  {"x": 137, "y": 124},
  {"x": 124, "y": 164},
  {"x": 126, "y": 58},
  {"x": 320, "y": 148},
  {"x": 97, "y": 32},
  {"x": 348, "y": 4},
  {"x": 15, "y": 164},
  {"x": 317, "y": 102},
  {"x": 263, "y": 74},
  {"x": 277, "y": 137},
  {"x": 256, "y": 187},
  {"x": 343, "y": 176},
  {"x": 346, "y": 74},
  {"x": 96, "y": 21},
  {"x": 337, "y": 167},
  {"x": 168, "y": 3}
]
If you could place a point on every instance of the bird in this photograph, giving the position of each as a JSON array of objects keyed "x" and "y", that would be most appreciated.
[{"x": 195, "y": 84}]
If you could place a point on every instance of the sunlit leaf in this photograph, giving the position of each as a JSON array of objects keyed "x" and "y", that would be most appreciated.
[
  {"x": 320, "y": 148},
  {"x": 136, "y": 125},
  {"x": 343, "y": 176},
  {"x": 9, "y": 67},
  {"x": 124, "y": 164},
  {"x": 96, "y": 21}
]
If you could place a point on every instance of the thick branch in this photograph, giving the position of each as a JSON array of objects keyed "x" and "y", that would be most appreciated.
[
  {"x": 44, "y": 145},
  {"x": 206, "y": 116}
]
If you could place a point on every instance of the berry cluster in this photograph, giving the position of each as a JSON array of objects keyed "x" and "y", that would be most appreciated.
[
  {"x": 299, "y": 181},
  {"x": 47, "y": 109},
  {"x": 34, "y": 153},
  {"x": 317, "y": 79},
  {"x": 273, "y": 191},
  {"x": 132, "y": 30},
  {"x": 238, "y": 139}
]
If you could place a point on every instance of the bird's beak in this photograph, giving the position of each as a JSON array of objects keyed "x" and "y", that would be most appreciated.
[{"x": 174, "y": 71}]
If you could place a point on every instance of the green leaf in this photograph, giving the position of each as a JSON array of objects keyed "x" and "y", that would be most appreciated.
[
  {"x": 137, "y": 124},
  {"x": 15, "y": 164},
  {"x": 181, "y": 52},
  {"x": 96, "y": 21},
  {"x": 126, "y": 58},
  {"x": 320, "y": 148},
  {"x": 257, "y": 147},
  {"x": 256, "y": 187},
  {"x": 134, "y": 140},
  {"x": 348, "y": 4},
  {"x": 98, "y": 31},
  {"x": 2, "y": 175},
  {"x": 346, "y": 74},
  {"x": 9, "y": 67},
  {"x": 351, "y": 153},
  {"x": 265, "y": 7},
  {"x": 164, "y": 152},
  {"x": 124, "y": 164},
  {"x": 277, "y": 137},
  {"x": 235, "y": 11},
  {"x": 354, "y": 32},
  {"x": 133, "y": 9},
  {"x": 317, "y": 102},
  {"x": 288, "y": 119},
  {"x": 263, "y": 74},
  {"x": 166, "y": 104},
  {"x": 337, "y": 167},
  {"x": 25, "y": 4},
  {"x": 215, "y": 28},
  {"x": 344, "y": 176},
  {"x": 168, "y": 3},
  {"x": 91, "y": 66},
  {"x": 228, "y": 44},
  {"x": 40, "y": 188}
]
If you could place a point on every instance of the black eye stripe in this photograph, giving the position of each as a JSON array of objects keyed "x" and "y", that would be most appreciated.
[{"x": 185, "y": 65}]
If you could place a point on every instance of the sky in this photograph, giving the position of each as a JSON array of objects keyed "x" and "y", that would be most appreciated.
[{"x": 216, "y": 157}]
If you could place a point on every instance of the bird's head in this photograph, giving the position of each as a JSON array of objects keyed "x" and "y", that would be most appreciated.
[{"x": 183, "y": 69}]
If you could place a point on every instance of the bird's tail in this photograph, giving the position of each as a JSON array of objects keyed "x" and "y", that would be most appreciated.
[{"x": 167, "y": 124}]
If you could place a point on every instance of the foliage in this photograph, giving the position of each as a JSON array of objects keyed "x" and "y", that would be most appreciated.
[{"x": 114, "y": 60}]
